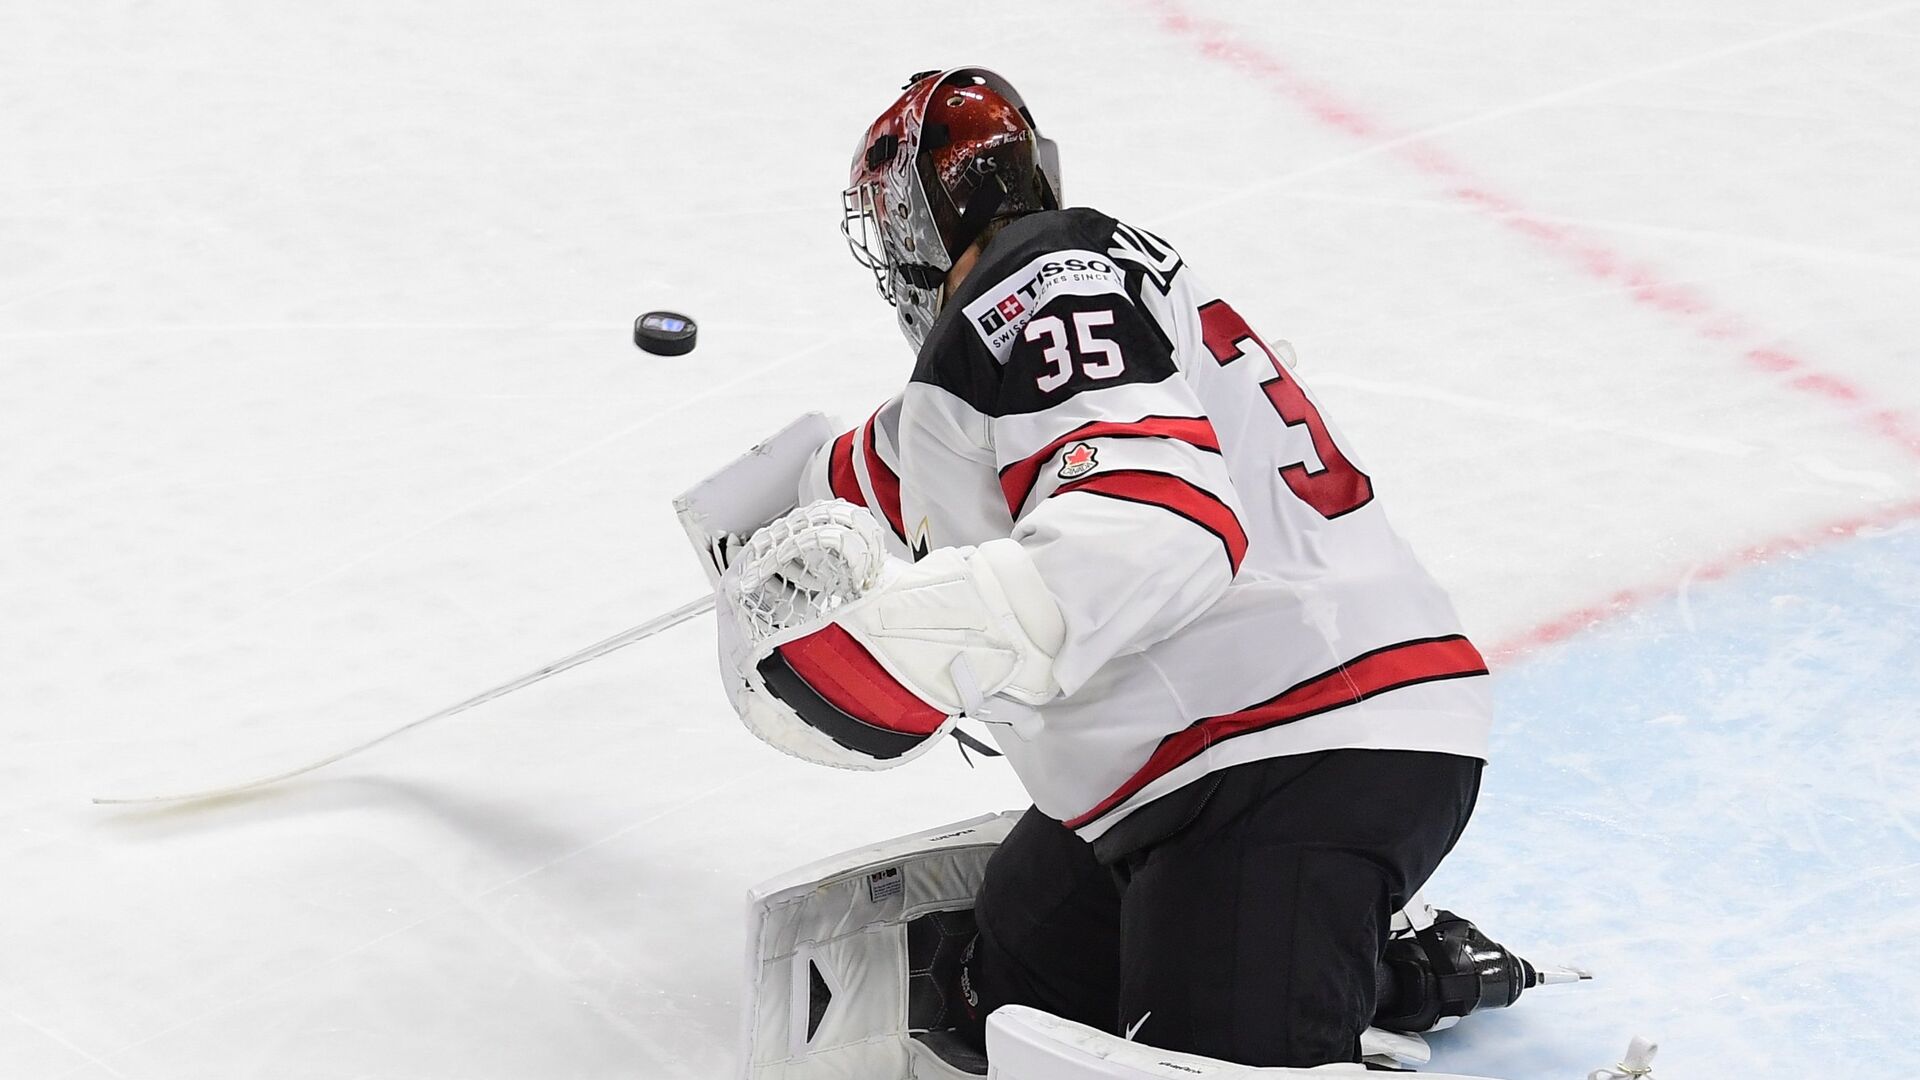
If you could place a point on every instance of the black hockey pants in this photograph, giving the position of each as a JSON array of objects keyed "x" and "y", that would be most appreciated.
[{"x": 1242, "y": 917}]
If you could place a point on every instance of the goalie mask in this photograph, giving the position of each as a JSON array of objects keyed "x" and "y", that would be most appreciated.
[{"x": 957, "y": 150}]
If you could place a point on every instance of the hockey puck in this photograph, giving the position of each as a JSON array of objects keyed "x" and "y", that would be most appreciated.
[{"x": 665, "y": 333}]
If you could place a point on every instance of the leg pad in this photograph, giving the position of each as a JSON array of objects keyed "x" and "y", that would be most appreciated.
[{"x": 830, "y": 982}]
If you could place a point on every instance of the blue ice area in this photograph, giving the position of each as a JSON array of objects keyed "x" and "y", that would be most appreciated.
[{"x": 1713, "y": 803}]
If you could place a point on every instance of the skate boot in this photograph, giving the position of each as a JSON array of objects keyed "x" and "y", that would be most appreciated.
[
  {"x": 1433, "y": 977},
  {"x": 941, "y": 1008}
]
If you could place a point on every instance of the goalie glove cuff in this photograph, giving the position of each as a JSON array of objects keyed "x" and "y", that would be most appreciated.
[
  {"x": 823, "y": 698},
  {"x": 962, "y": 625},
  {"x": 1005, "y": 567},
  {"x": 873, "y": 688},
  {"x": 1010, "y": 585},
  {"x": 870, "y": 657}
]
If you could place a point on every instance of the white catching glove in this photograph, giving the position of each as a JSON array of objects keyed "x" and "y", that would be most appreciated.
[{"x": 874, "y": 656}]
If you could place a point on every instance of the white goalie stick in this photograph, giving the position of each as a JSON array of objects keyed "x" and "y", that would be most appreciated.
[
  {"x": 723, "y": 508},
  {"x": 592, "y": 652},
  {"x": 783, "y": 478}
]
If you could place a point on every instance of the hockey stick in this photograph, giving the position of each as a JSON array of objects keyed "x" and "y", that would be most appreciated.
[{"x": 592, "y": 652}]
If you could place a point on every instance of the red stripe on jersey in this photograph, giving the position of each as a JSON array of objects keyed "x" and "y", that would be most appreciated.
[
  {"x": 842, "y": 671},
  {"x": 1017, "y": 479},
  {"x": 886, "y": 485},
  {"x": 1376, "y": 672},
  {"x": 1170, "y": 492},
  {"x": 841, "y": 479}
]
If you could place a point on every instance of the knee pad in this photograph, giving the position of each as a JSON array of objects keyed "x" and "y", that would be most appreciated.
[{"x": 832, "y": 952}]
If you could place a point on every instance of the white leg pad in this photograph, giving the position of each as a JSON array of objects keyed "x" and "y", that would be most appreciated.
[
  {"x": 835, "y": 932},
  {"x": 1027, "y": 1044}
]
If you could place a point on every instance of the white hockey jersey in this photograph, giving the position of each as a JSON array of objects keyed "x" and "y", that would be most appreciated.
[{"x": 1231, "y": 587}]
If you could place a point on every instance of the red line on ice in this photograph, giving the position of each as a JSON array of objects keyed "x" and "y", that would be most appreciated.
[
  {"x": 1644, "y": 284},
  {"x": 1561, "y": 627}
]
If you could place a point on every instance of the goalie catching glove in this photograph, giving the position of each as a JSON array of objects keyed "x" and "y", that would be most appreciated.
[{"x": 843, "y": 655}]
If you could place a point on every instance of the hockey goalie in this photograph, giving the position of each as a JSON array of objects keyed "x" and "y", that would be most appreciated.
[{"x": 1107, "y": 521}]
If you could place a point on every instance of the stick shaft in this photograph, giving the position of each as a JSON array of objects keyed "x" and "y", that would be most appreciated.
[{"x": 572, "y": 660}]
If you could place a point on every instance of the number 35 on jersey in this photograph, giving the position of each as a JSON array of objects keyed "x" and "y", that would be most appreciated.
[{"x": 1096, "y": 358}]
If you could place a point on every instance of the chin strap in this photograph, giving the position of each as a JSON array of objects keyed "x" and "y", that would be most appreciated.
[{"x": 921, "y": 275}]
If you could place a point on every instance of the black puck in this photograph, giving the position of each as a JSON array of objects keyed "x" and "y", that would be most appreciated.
[{"x": 665, "y": 333}]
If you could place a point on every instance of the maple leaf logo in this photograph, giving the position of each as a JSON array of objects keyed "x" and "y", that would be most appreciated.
[{"x": 1078, "y": 461}]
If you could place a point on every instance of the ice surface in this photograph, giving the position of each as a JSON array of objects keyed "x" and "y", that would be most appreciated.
[
  {"x": 321, "y": 412},
  {"x": 1711, "y": 801}
]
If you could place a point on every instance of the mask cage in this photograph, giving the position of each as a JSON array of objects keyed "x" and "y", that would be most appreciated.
[
  {"x": 860, "y": 224},
  {"x": 866, "y": 239}
]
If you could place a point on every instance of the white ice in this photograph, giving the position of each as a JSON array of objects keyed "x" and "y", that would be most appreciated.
[{"x": 319, "y": 412}]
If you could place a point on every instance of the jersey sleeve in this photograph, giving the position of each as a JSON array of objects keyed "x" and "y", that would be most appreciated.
[
  {"x": 862, "y": 466},
  {"x": 1113, "y": 475}
]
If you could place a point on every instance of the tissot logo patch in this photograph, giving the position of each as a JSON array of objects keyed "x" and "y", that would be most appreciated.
[
  {"x": 1001, "y": 311},
  {"x": 1078, "y": 461}
]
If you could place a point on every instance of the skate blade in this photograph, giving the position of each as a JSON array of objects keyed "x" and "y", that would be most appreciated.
[{"x": 1556, "y": 976}]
